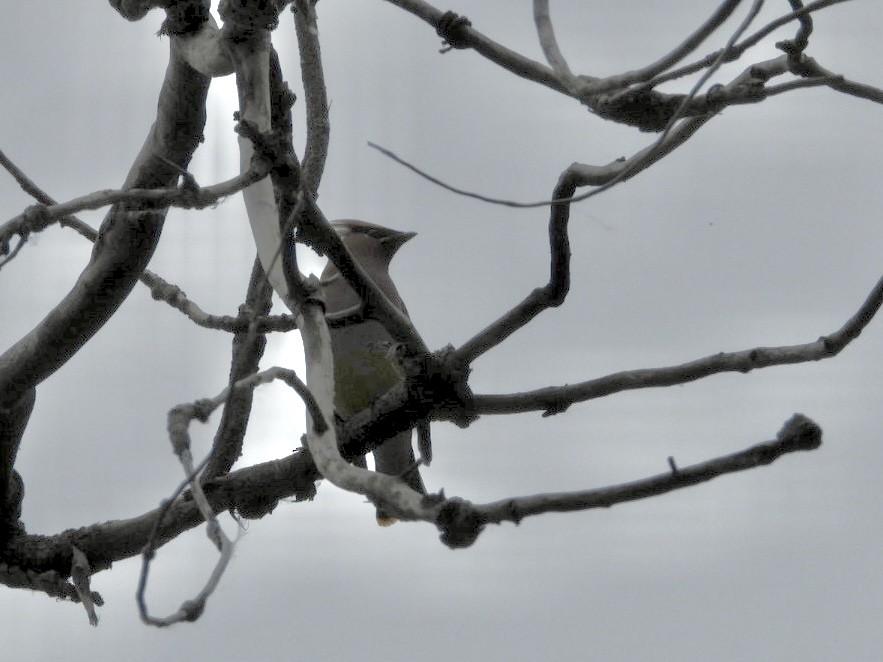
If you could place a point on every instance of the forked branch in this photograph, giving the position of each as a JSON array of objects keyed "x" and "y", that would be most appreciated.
[{"x": 553, "y": 400}]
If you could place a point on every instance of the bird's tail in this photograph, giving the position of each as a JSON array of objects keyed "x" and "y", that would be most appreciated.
[{"x": 395, "y": 457}]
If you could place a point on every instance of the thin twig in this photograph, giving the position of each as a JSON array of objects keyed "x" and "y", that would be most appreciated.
[
  {"x": 738, "y": 49},
  {"x": 616, "y": 172},
  {"x": 620, "y": 81}
]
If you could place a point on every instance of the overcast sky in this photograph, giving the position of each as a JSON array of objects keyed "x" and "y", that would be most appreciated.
[{"x": 763, "y": 230}]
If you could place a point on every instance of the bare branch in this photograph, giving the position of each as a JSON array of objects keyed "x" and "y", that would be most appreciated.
[
  {"x": 549, "y": 296},
  {"x": 549, "y": 44},
  {"x": 683, "y": 49},
  {"x": 251, "y": 57},
  {"x": 313, "y": 77},
  {"x": 738, "y": 49},
  {"x": 772, "y": 26},
  {"x": 258, "y": 486},
  {"x": 38, "y": 218},
  {"x": 812, "y": 68},
  {"x": 389, "y": 491},
  {"x": 799, "y": 83},
  {"x": 508, "y": 59},
  {"x": 14, "y": 416},
  {"x": 50, "y": 582},
  {"x": 248, "y": 348},
  {"x": 794, "y": 47},
  {"x": 798, "y": 434},
  {"x": 190, "y": 610},
  {"x": 553, "y": 400},
  {"x": 80, "y": 574},
  {"x": 182, "y": 415},
  {"x": 205, "y": 50},
  {"x": 126, "y": 241},
  {"x": 745, "y": 87},
  {"x": 651, "y": 111},
  {"x": 162, "y": 290}
]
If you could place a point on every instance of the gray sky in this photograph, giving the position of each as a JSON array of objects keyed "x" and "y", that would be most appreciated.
[{"x": 762, "y": 230}]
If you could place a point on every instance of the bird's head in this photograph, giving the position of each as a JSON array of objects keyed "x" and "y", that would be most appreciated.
[{"x": 361, "y": 237}]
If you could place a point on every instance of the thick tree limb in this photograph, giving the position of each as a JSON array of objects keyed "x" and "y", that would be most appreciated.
[
  {"x": 125, "y": 243},
  {"x": 459, "y": 520},
  {"x": 13, "y": 422}
]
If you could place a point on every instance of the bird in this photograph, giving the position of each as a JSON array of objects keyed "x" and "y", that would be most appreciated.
[{"x": 365, "y": 363}]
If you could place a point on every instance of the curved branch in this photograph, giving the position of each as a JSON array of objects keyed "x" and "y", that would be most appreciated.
[
  {"x": 14, "y": 418},
  {"x": 186, "y": 196},
  {"x": 549, "y": 296},
  {"x": 126, "y": 240},
  {"x": 670, "y": 59},
  {"x": 553, "y": 400},
  {"x": 313, "y": 77},
  {"x": 549, "y": 44},
  {"x": 738, "y": 49},
  {"x": 390, "y": 491},
  {"x": 160, "y": 289},
  {"x": 248, "y": 348}
]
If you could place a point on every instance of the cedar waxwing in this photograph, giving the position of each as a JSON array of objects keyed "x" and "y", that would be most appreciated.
[{"x": 365, "y": 365}]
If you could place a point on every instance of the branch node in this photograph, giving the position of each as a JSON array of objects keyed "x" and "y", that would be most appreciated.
[
  {"x": 451, "y": 27},
  {"x": 515, "y": 512},
  {"x": 800, "y": 434},
  {"x": 440, "y": 380},
  {"x": 459, "y": 523},
  {"x": 247, "y": 17},
  {"x": 642, "y": 107},
  {"x": 184, "y": 17},
  {"x": 829, "y": 345}
]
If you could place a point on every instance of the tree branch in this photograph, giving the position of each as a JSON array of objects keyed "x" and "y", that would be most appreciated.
[
  {"x": 553, "y": 400},
  {"x": 508, "y": 59},
  {"x": 389, "y": 491},
  {"x": 13, "y": 422},
  {"x": 313, "y": 77},
  {"x": 798, "y": 434},
  {"x": 620, "y": 81},
  {"x": 126, "y": 240},
  {"x": 248, "y": 348},
  {"x": 549, "y": 44},
  {"x": 549, "y": 296}
]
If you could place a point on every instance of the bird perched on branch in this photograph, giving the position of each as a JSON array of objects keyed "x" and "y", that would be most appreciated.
[{"x": 365, "y": 366}]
